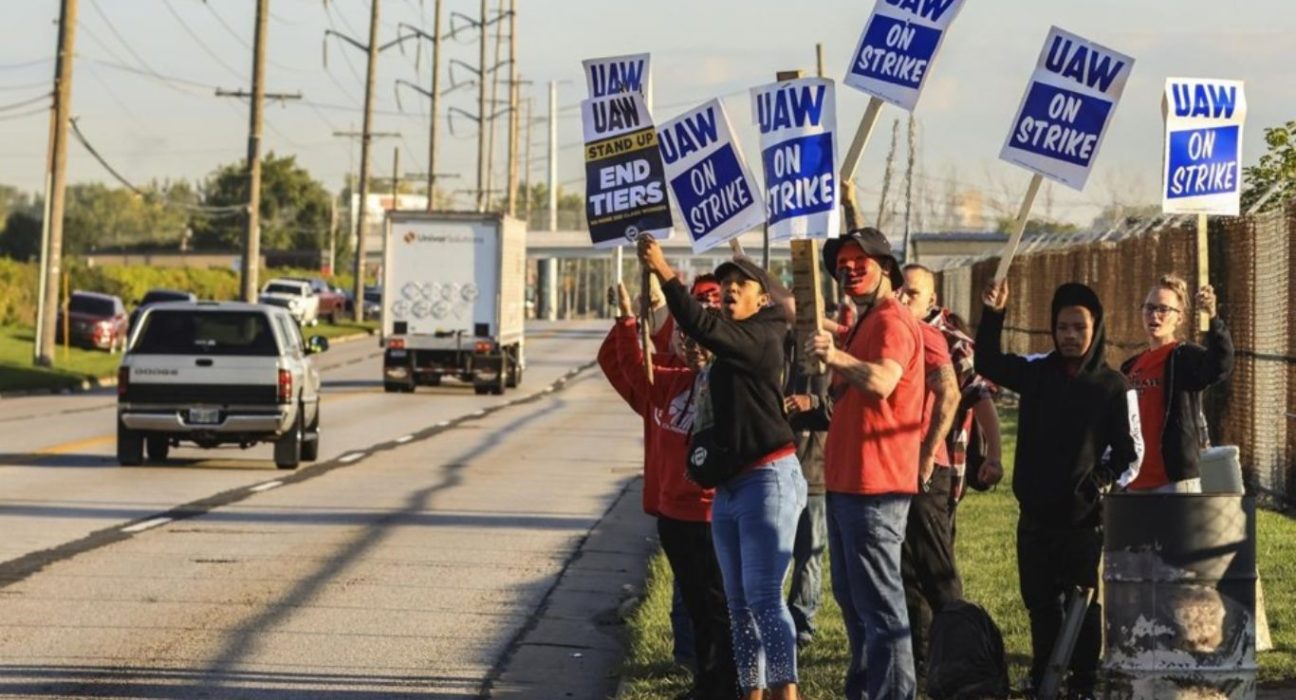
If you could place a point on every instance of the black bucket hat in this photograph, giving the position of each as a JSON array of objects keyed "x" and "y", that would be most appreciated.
[
  {"x": 746, "y": 268},
  {"x": 872, "y": 242}
]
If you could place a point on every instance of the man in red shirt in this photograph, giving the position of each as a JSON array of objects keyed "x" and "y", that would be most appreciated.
[{"x": 872, "y": 462}]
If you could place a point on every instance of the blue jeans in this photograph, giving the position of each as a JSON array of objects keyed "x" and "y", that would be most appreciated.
[
  {"x": 753, "y": 523},
  {"x": 864, "y": 538},
  {"x": 807, "y": 564}
]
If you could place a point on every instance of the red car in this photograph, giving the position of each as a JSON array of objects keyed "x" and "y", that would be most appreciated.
[{"x": 95, "y": 320}]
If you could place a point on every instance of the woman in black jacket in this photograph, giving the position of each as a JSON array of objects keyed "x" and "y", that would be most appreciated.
[{"x": 1169, "y": 377}]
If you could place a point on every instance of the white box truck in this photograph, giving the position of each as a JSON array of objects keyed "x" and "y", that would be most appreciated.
[{"x": 453, "y": 300}]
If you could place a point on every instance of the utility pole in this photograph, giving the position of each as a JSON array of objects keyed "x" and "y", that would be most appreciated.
[
  {"x": 526, "y": 167},
  {"x": 511, "y": 198},
  {"x": 553, "y": 155},
  {"x": 58, "y": 179},
  {"x": 494, "y": 97},
  {"x": 251, "y": 260},
  {"x": 436, "y": 107},
  {"x": 366, "y": 141},
  {"x": 481, "y": 114}
]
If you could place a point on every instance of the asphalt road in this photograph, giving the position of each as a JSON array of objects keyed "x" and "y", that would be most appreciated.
[{"x": 404, "y": 564}]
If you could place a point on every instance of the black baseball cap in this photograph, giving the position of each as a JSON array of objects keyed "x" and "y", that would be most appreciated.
[
  {"x": 874, "y": 244},
  {"x": 746, "y": 268}
]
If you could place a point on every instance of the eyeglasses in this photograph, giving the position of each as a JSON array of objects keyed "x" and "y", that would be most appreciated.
[{"x": 1158, "y": 309}]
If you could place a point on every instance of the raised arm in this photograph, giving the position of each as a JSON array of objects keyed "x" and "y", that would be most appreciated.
[{"x": 991, "y": 362}]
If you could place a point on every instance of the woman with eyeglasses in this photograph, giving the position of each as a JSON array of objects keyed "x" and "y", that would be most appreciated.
[{"x": 1169, "y": 377}]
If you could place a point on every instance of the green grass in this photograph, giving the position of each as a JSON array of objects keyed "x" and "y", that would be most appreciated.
[
  {"x": 70, "y": 369},
  {"x": 987, "y": 559},
  {"x": 339, "y": 329}
]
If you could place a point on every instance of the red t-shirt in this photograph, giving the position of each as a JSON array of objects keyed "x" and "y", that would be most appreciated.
[
  {"x": 935, "y": 355},
  {"x": 872, "y": 444},
  {"x": 1147, "y": 376}
]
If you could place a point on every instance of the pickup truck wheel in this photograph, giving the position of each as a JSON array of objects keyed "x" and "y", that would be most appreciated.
[
  {"x": 130, "y": 446},
  {"x": 158, "y": 448},
  {"x": 311, "y": 440},
  {"x": 481, "y": 390},
  {"x": 288, "y": 449}
]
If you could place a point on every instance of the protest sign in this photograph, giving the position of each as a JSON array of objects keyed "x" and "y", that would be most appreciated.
[
  {"x": 625, "y": 188},
  {"x": 897, "y": 48},
  {"x": 1203, "y": 146},
  {"x": 797, "y": 121},
  {"x": 1066, "y": 109},
  {"x": 617, "y": 74},
  {"x": 711, "y": 183}
]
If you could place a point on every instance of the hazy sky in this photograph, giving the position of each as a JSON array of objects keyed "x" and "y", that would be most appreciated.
[{"x": 146, "y": 71}]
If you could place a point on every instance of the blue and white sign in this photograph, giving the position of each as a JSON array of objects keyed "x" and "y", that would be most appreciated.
[
  {"x": 616, "y": 74},
  {"x": 1067, "y": 108},
  {"x": 797, "y": 121},
  {"x": 897, "y": 48},
  {"x": 713, "y": 188},
  {"x": 1203, "y": 146}
]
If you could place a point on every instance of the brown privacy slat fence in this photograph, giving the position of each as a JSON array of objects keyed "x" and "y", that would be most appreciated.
[{"x": 1253, "y": 269}]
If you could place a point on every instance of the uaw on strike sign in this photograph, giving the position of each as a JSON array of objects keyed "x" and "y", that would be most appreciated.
[
  {"x": 797, "y": 121},
  {"x": 712, "y": 185},
  {"x": 1203, "y": 146},
  {"x": 1067, "y": 107},
  {"x": 898, "y": 46},
  {"x": 617, "y": 74},
  {"x": 625, "y": 188}
]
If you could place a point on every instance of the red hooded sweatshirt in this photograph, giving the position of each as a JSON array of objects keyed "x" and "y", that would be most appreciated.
[{"x": 667, "y": 407}]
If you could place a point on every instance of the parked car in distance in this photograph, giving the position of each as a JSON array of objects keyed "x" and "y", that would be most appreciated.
[
  {"x": 94, "y": 320},
  {"x": 294, "y": 295},
  {"x": 332, "y": 305},
  {"x": 156, "y": 296},
  {"x": 219, "y": 373}
]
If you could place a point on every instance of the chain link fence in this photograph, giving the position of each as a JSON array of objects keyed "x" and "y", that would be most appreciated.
[{"x": 1252, "y": 262}]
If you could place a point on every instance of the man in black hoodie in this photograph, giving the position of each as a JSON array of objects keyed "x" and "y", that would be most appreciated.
[{"x": 1078, "y": 434}]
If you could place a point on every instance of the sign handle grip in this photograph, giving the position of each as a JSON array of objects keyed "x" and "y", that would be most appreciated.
[
  {"x": 645, "y": 323},
  {"x": 1019, "y": 227},
  {"x": 867, "y": 122},
  {"x": 1203, "y": 266}
]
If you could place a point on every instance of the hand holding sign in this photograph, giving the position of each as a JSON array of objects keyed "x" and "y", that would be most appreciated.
[
  {"x": 652, "y": 258},
  {"x": 996, "y": 295}
]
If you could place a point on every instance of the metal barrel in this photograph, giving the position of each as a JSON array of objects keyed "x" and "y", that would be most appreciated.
[{"x": 1179, "y": 579}]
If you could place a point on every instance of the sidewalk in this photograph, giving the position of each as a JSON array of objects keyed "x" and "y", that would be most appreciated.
[{"x": 574, "y": 645}]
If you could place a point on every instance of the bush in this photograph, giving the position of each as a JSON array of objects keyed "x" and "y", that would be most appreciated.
[{"x": 18, "y": 282}]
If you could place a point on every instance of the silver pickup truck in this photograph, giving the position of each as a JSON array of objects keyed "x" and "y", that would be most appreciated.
[{"x": 214, "y": 373}]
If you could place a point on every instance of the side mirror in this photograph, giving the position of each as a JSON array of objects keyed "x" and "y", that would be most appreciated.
[{"x": 316, "y": 345}]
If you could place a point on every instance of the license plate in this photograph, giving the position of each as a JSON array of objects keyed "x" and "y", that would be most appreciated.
[{"x": 205, "y": 416}]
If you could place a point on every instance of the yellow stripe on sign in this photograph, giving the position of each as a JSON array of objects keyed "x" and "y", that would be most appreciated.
[{"x": 626, "y": 143}]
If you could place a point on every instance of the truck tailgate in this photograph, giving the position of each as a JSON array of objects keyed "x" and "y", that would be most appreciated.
[{"x": 216, "y": 379}]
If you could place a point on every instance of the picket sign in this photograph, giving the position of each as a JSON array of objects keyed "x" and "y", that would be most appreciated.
[
  {"x": 1062, "y": 119},
  {"x": 713, "y": 187},
  {"x": 892, "y": 60},
  {"x": 1204, "y": 120}
]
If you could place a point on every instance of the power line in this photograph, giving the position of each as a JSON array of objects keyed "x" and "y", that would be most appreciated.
[
  {"x": 201, "y": 44},
  {"x": 24, "y": 103},
  {"x": 20, "y": 115},
  {"x": 24, "y": 86}
]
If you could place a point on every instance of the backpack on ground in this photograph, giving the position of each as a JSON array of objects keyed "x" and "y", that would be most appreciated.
[{"x": 965, "y": 657}]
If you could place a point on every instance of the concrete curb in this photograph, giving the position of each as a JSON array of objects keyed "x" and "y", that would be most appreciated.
[{"x": 93, "y": 383}]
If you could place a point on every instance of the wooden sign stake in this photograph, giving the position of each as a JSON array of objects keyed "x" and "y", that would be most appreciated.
[
  {"x": 1203, "y": 267},
  {"x": 867, "y": 122},
  {"x": 645, "y": 322},
  {"x": 1019, "y": 227}
]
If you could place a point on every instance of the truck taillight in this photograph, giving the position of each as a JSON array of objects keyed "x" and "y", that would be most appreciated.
[
  {"x": 396, "y": 343},
  {"x": 482, "y": 346},
  {"x": 285, "y": 386},
  {"x": 123, "y": 380}
]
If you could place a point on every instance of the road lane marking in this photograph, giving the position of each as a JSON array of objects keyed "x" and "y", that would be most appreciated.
[
  {"x": 73, "y": 446},
  {"x": 266, "y": 486},
  {"x": 404, "y": 439},
  {"x": 443, "y": 424},
  {"x": 479, "y": 412},
  {"x": 140, "y": 527},
  {"x": 347, "y": 459}
]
